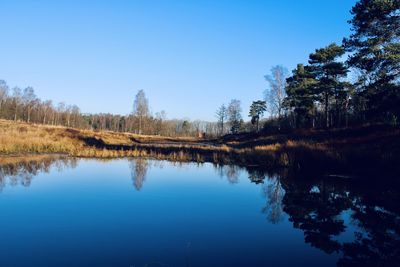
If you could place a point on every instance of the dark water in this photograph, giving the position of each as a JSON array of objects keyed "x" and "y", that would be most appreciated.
[{"x": 141, "y": 212}]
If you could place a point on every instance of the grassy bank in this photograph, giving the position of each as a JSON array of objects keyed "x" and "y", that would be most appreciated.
[{"x": 370, "y": 146}]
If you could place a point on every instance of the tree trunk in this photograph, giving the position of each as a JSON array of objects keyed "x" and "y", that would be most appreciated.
[
  {"x": 279, "y": 118},
  {"x": 29, "y": 114},
  {"x": 326, "y": 111},
  {"x": 15, "y": 113},
  {"x": 140, "y": 124},
  {"x": 258, "y": 120}
]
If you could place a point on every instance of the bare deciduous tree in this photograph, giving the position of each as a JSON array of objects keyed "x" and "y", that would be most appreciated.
[
  {"x": 29, "y": 99},
  {"x": 222, "y": 114},
  {"x": 16, "y": 99},
  {"x": 276, "y": 93},
  {"x": 141, "y": 108},
  {"x": 46, "y": 107},
  {"x": 234, "y": 115},
  {"x": 3, "y": 92}
]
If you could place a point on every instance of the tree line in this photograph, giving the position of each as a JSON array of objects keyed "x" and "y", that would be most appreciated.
[
  {"x": 355, "y": 82},
  {"x": 24, "y": 105}
]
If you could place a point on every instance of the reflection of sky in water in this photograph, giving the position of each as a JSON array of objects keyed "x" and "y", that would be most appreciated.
[{"x": 137, "y": 212}]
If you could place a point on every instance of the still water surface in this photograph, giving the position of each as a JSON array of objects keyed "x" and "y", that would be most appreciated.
[{"x": 139, "y": 212}]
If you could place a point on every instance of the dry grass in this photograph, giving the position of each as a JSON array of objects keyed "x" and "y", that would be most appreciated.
[
  {"x": 17, "y": 138},
  {"x": 310, "y": 149},
  {"x": 20, "y": 137}
]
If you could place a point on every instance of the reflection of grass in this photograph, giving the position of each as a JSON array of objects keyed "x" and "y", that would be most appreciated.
[
  {"x": 4, "y": 160},
  {"x": 368, "y": 145}
]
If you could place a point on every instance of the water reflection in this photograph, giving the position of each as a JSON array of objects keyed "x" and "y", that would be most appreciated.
[
  {"x": 318, "y": 207},
  {"x": 376, "y": 214},
  {"x": 139, "y": 167},
  {"x": 21, "y": 171},
  {"x": 323, "y": 208},
  {"x": 230, "y": 172},
  {"x": 316, "y": 210},
  {"x": 274, "y": 193}
]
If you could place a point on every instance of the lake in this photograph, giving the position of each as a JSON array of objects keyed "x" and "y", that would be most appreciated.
[{"x": 141, "y": 212}]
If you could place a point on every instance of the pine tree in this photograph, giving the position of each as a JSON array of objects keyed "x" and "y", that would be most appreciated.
[
  {"x": 327, "y": 71},
  {"x": 299, "y": 97},
  {"x": 375, "y": 52},
  {"x": 257, "y": 109}
]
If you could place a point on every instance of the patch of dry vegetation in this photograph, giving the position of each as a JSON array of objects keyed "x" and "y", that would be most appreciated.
[
  {"x": 22, "y": 138},
  {"x": 311, "y": 149}
]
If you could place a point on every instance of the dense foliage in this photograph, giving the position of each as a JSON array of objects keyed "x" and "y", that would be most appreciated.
[{"x": 319, "y": 95}]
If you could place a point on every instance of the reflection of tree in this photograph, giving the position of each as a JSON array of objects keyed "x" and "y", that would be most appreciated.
[
  {"x": 2, "y": 181},
  {"x": 379, "y": 242},
  {"x": 256, "y": 176},
  {"x": 274, "y": 192},
  {"x": 316, "y": 210},
  {"x": 231, "y": 172},
  {"x": 316, "y": 207},
  {"x": 139, "y": 167},
  {"x": 376, "y": 212},
  {"x": 22, "y": 171}
]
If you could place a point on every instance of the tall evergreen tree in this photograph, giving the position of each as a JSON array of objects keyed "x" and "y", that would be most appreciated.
[
  {"x": 257, "y": 109},
  {"x": 299, "y": 97},
  {"x": 375, "y": 51},
  {"x": 327, "y": 70}
]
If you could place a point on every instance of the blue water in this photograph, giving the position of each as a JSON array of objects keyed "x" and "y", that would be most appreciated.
[{"x": 156, "y": 213}]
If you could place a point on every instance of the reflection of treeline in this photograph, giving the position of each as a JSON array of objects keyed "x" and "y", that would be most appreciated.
[
  {"x": 316, "y": 206},
  {"x": 15, "y": 171},
  {"x": 297, "y": 155},
  {"x": 140, "y": 166},
  {"x": 313, "y": 204}
]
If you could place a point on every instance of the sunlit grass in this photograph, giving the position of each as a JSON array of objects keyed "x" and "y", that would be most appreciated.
[{"x": 312, "y": 149}]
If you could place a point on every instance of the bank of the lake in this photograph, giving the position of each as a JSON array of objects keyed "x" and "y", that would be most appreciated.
[{"x": 367, "y": 147}]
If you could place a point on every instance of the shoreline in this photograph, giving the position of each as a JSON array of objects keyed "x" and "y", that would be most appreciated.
[{"x": 366, "y": 148}]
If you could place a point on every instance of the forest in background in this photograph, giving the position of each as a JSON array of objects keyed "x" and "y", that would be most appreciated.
[{"x": 353, "y": 83}]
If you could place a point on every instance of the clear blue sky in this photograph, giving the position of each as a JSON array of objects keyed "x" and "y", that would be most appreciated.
[{"x": 188, "y": 56}]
